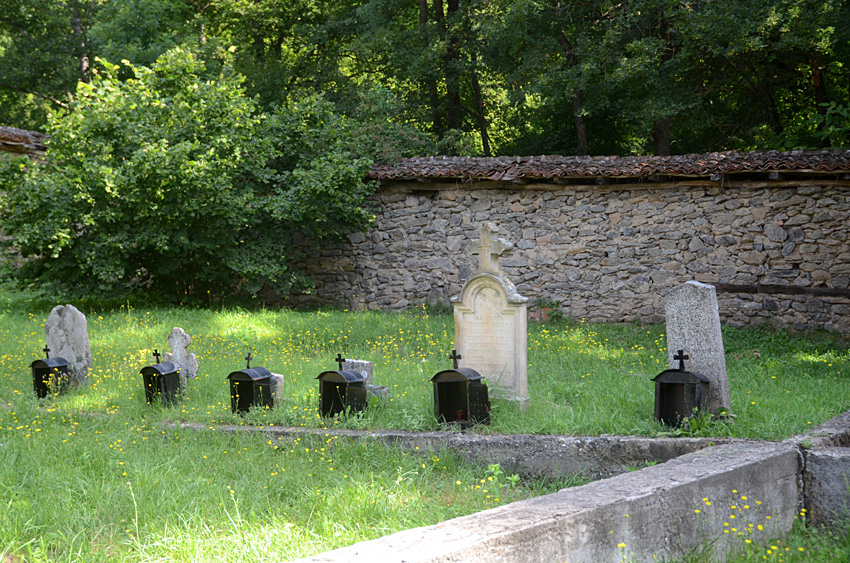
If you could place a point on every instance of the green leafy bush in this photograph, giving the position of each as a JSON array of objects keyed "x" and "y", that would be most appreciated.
[{"x": 177, "y": 185}]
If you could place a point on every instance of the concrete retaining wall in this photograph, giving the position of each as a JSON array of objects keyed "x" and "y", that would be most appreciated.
[
  {"x": 530, "y": 456},
  {"x": 827, "y": 482},
  {"x": 602, "y": 253},
  {"x": 659, "y": 512},
  {"x": 639, "y": 515}
]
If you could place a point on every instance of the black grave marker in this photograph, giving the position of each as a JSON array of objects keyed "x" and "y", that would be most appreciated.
[
  {"x": 679, "y": 394},
  {"x": 250, "y": 387},
  {"x": 163, "y": 379},
  {"x": 460, "y": 396},
  {"x": 342, "y": 391},
  {"x": 50, "y": 375}
]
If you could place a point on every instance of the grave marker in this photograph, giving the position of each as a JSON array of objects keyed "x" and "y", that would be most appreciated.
[
  {"x": 693, "y": 324},
  {"x": 179, "y": 342},
  {"x": 491, "y": 320},
  {"x": 364, "y": 366},
  {"x": 66, "y": 334}
]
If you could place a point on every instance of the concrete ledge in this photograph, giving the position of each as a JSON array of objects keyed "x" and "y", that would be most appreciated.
[
  {"x": 531, "y": 456},
  {"x": 651, "y": 511},
  {"x": 835, "y": 432},
  {"x": 827, "y": 482}
]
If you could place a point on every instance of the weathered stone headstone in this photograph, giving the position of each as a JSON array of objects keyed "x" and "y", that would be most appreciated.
[
  {"x": 491, "y": 320},
  {"x": 277, "y": 388},
  {"x": 693, "y": 325},
  {"x": 67, "y": 336},
  {"x": 363, "y": 366},
  {"x": 179, "y": 342},
  {"x": 359, "y": 366}
]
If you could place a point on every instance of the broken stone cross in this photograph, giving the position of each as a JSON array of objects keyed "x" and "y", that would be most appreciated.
[
  {"x": 488, "y": 248},
  {"x": 187, "y": 362}
]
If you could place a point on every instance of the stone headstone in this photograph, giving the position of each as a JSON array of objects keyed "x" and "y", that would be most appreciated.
[
  {"x": 277, "y": 388},
  {"x": 67, "y": 336},
  {"x": 179, "y": 342},
  {"x": 359, "y": 366},
  {"x": 693, "y": 325},
  {"x": 491, "y": 321}
]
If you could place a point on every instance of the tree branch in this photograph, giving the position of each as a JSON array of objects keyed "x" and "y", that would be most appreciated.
[{"x": 42, "y": 96}]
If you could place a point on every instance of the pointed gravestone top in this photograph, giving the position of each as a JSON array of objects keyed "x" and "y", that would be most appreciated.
[
  {"x": 488, "y": 247},
  {"x": 693, "y": 324}
]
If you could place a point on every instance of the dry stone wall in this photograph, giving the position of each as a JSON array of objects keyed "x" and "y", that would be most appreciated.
[{"x": 603, "y": 253}]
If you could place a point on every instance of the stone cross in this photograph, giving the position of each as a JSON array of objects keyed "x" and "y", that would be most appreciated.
[
  {"x": 186, "y": 362},
  {"x": 156, "y": 355},
  {"x": 455, "y": 357},
  {"x": 681, "y": 357},
  {"x": 340, "y": 360},
  {"x": 488, "y": 248},
  {"x": 248, "y": 359},
  {"x": 46, "y": 351}
]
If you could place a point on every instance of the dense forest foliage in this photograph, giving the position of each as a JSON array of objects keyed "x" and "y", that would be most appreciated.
[
  {"x": 196, "y": 145},
  {"x": 481, "y": 77}
]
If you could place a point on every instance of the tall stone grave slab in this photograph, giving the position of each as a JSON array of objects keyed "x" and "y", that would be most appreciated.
[
  {"x": 693, "y": 325},
  {"x": 179, "y": 342},
  {"x": 491, "y": 318},
  {"x": 67, "y": 336}
]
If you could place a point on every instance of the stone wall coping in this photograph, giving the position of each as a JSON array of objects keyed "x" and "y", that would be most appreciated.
[{"x": 555, "y": 168}]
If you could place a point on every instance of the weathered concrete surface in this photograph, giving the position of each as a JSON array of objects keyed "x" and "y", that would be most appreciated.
[
  {"x": 835, "y": 432},
  {"x": 530, "y": 456},
  {"x": 827, "y": 484},
  {"x": 652, "y": 512}
]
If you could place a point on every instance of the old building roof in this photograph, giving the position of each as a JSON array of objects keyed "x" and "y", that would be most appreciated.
[
  {"x": 555, "y": 168},
  {"x": 20, "y": 141}
]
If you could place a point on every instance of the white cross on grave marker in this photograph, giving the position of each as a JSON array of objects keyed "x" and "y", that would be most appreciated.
[{"x": 491, "y": 320}]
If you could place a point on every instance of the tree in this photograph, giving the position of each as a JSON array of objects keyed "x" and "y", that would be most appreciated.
[
  {"x": 177, "y": 185},
  {"x": 44, "y": 52}
]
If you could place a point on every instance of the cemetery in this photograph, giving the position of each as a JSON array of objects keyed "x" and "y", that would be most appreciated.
[
  {"x": 424, "y": 282},
  {"x": 587, "y": 408},
  {"x": 483, "y": 435}
]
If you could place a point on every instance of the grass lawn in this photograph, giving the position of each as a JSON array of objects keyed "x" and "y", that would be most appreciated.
[{"x": 97, "y": 475}]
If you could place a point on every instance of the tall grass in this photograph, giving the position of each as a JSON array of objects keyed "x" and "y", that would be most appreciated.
[
  {"x": 99, "y": 475},
  {"x": 583, "y": 379}
]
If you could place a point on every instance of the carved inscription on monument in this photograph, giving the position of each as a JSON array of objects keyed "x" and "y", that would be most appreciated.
[
  {"x": 489, "y": 337},
  {"x": 490, "y": 334}
]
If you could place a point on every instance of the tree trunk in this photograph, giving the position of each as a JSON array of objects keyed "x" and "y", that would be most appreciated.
[
  {"x": 430, "y": 82},
  {"x": 581, "y": 129},
  {"x": 80, "y": 37},
  {"x": 479, "y": 107},
  {"x": 453, "y": 107},
  {"x": 661, "y": 137},
  {"x": 817, "y": 65}
]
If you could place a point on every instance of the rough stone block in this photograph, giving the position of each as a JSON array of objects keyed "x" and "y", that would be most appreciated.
[{"x": 827, "y": 483}]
